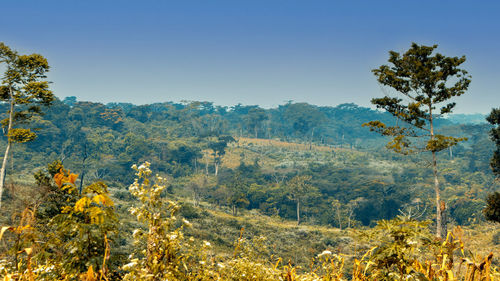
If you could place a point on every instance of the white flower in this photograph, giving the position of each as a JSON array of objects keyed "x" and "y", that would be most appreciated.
[
  {"x": 207, "y": 243},
  {"x": 129, "y": 265},
  {"x": 325, "y": 253},
  {"x": 186, "y": 222}
]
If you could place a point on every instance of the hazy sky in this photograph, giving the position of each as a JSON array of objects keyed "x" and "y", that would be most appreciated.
[{"x": 252, "y": 52}]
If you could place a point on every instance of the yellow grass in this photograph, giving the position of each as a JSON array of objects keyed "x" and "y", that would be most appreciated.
[{"x": 242, "y": 141}]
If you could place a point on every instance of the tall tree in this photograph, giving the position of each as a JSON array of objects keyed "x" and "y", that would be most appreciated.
[
  {"x": 494, "y": 119},
  {"x": 492, "y": 210},
  {"x": 298, "y": 189},
  {"x": 303, "y": 118},
  {"x": 426, "y": 80},
  {"x": 24, "y": 89},
  {"x": 254, "y": 120},
  {"x": 219, "y": 149}
]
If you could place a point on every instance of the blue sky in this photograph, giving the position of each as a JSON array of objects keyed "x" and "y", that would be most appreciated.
[{"x": 261, "y": 52}]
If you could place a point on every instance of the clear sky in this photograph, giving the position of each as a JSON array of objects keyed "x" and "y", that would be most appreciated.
[{"x": 261, "y": 52}]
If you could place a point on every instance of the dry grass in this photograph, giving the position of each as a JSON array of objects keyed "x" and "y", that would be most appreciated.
[{"x": 288, "y": 145}]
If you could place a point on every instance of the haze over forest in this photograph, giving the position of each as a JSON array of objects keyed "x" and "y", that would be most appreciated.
[{"x": 251, "y": 52}]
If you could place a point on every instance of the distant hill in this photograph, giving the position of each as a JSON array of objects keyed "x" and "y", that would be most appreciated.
[{"x": 476, "y": 118}]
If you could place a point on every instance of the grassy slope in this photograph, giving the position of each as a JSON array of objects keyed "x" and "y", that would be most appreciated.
[
  {"x": 285, "y": 238},
  {"x": 299, "y": 244}
]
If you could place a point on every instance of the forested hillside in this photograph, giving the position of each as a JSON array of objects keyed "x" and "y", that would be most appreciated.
[{"x": 242, "y": 157}]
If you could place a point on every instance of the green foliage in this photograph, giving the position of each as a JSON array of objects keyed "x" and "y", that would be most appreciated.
[
  {"x": 236, "y": 192},
  {"x": 173, "y": 137},
  {"x": 255, "y": 118},
  {"x": 67, "y": 233},
  {"x": 298, "y": 189},
  {"x": 158, "y": 247},
  {"x": 422, "y": 78},
  {"x": 303, "y": 117},
  {"x": 494, "y": 119},
  {"x": 426, "y": 80},
  {"x": 492, "y": 210},
  {"x": 466, "y": 211},
  {"x": 77, "y": 247},
  {"x": 218, "y": 148},
  {"x": 83, "y": 226},
  {"x": 21, "y": 135},
  {"x": 496, "y": 238},
  {"x": 22, "y": 84},
  {"x": 24, "y": 91},
  {"x": 398, "y": 240}
]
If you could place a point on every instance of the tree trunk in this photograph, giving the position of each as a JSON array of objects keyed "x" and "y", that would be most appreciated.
[
  {"x": 349, "y": 219},
  {"x": 439, "y": 223},
  {"x": 439, "y": 210},
  {"x": 84, "y": 167},
  {"x": 81, "y": 182},
  {"x": 7, "y": 149},
  {"x": 311, "y": 140},
  {"x": 206, "y": 164},
  {"x": 339, "y": 217},
  {"x": 298, "y": 212}
]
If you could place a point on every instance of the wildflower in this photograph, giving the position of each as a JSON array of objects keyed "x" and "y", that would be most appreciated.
[
  {"x": 325, "y": 253},
  {"x": 186, "y": 222},
  {"x": 130, "y": 265}
]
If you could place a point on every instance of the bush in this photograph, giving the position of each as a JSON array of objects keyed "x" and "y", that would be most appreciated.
[
  {"x": 496, "y": 238},
  {"x": 188, "y": 211}
]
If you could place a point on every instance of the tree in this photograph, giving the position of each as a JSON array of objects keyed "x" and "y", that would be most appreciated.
[
  {"x": 24, "y": 89},
  {"x": 494, "y": 119},
  {"x": 198, "y": 183},
  {"x": 338, "y": 208},
  {"x": 426, "y": 80},
  {"x": 219, "y": 149},
  {"x": 303, "y": 117},
  {"x": 255, "y": 118},
  {"x": 297, "y": 190},
  {"x": 492, "y": 210}
]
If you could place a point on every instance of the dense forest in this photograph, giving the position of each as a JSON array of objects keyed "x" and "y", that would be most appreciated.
[
  {"x": 196, "y": 191},
  {"x": 344, "y": 161}
]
